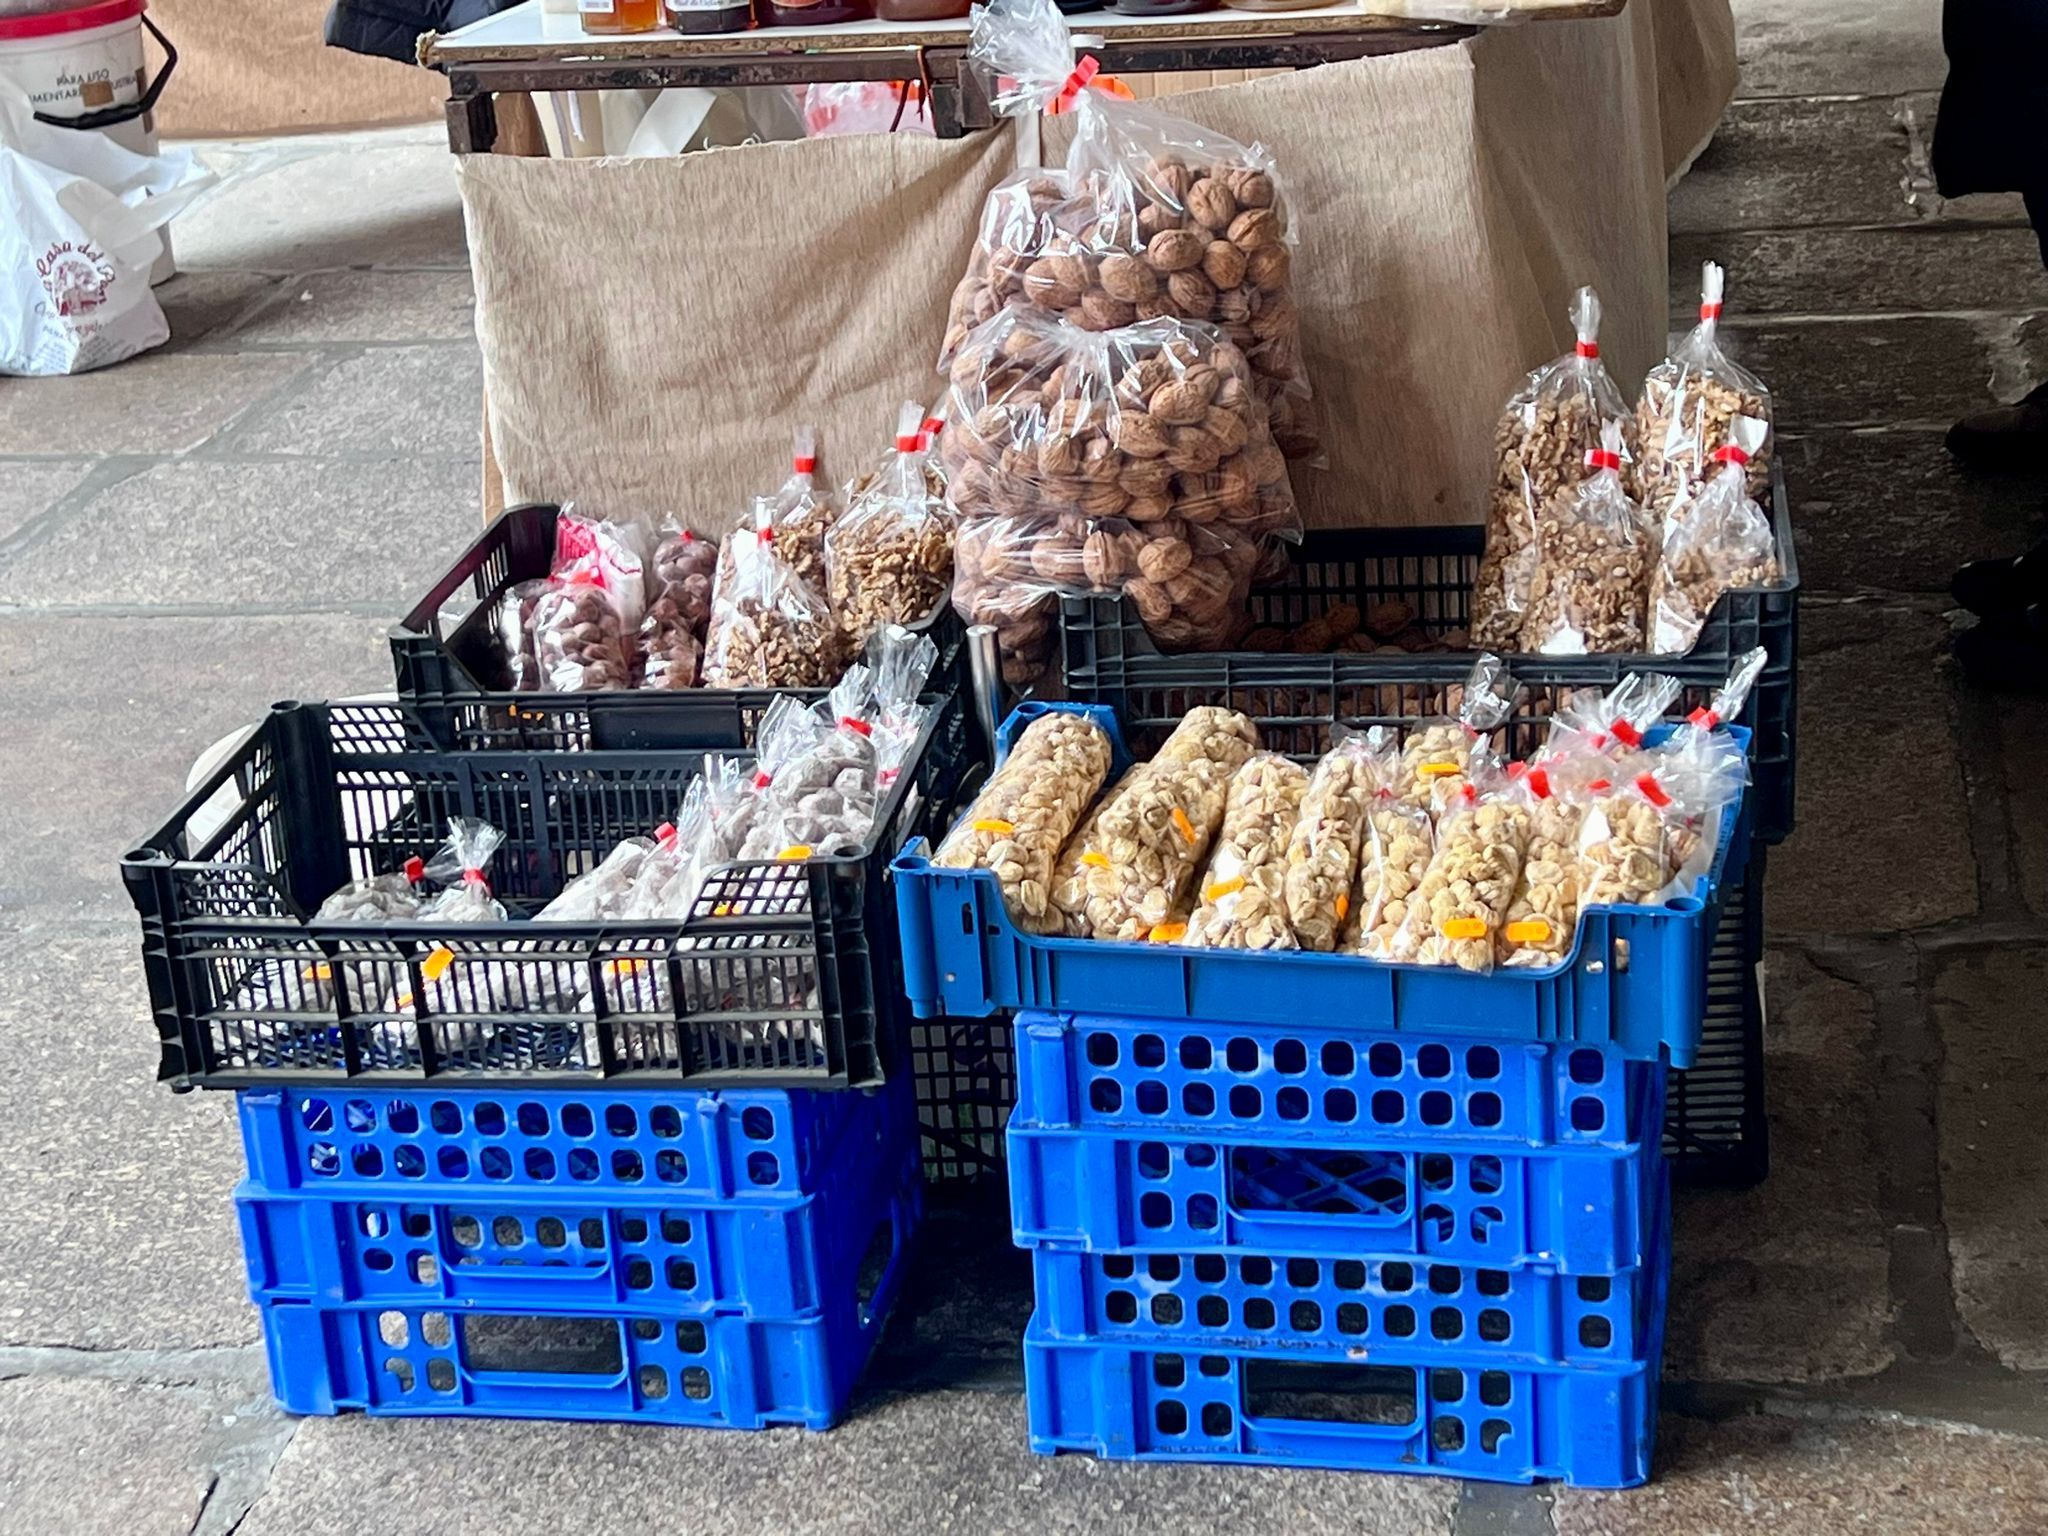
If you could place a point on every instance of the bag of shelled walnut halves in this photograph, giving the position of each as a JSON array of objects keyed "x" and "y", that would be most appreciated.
[
  {"x": 1134, "y": 461},
  {"x": 1549, "y": 427},
  {"x": 1690, "y": 402},
  {"x": 1152, "y": 216}
]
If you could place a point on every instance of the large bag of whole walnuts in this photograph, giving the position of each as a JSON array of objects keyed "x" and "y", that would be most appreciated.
[
  {"x": 1136, "y": 461},
  {"x": 1152, "y": 217}
]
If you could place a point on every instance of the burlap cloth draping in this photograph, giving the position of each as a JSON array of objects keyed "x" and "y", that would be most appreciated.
[{"x": 651, "y": 329}]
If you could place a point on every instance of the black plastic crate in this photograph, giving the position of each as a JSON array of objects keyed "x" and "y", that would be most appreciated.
[
  {"x": 785, "y": 974},
  {"x": 1714, "y": 1126},
  {"x": 1108, "y": 657},
  {"x": 450, "y": 668}
]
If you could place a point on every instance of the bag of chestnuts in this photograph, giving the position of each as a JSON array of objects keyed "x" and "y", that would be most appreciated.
[{"x": 1153, "y": 217}]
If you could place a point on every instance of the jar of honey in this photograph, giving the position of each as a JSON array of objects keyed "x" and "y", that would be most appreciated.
[
  {"x": 709, "y": 15},
  {"x": 813, "y": 13},
  {"x": 610, "y": 18}
]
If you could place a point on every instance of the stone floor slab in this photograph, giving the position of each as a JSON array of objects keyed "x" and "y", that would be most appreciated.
[
  {"x": 163, "y": 402},
  {"x": 390, "y": 401},
  {"x": 1788, "y": 1282},
  {"x": 1883, "y": 830},
  {"x": 1917, "y": 371},
  {"x": 89, "y": 769},
  {"x": 30, "y": 487},
  {"x": 296, "y": 205},
  {"x": 948, "y": 1462},
  {"x": 1765, "y": 1476},
  {"x": 201, "y": 304},
  {"x": 1918, "y": 269},
  {"x": 1838, "y": 47},
  {"x": 1795, "y": 163},
  {"x": 2023, "y": 748},
  {"x": 1994, "y": 1162},
  {"x": 358, "y": 306},
  {"x": 279, "y": 536},
  {"x": 92, "y": 1458},
  {"x": 1893, "y": 511}
]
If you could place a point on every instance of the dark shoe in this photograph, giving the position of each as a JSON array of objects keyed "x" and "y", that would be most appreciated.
[
  {"x": 2007, "y": 653},
  {"x": 2000, "y": 586},
  {"x": 2011, "y": 439}
]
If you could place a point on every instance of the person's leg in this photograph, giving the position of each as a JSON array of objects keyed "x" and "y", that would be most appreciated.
[{"x": 2011, "y": 438}]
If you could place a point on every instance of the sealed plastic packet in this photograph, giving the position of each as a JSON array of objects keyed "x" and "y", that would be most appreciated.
[
  {"x": 678, "y": 610},
  {"x": 1136, "y": 461},
  {"x": 1551, "y": 423},
  {"x": 1435, "y": 755},
  {"x": 613, "y": 557},
  {"x": 1025, "y": 813},
  {"x": 1162, "y": 218},
  {"x": 769, "y": 627},
  {"x": 889, "y": 558},
  {"x": 1066, "y": 911},
  {"x": 460, "y": 868},
  {"x": 1156, "y": 835},
  {"x": 1392, "y": 862},
  {"x": 802, "y": 513},
  {"x": 1716, "y": 766},
  {"x": 1589, "y": 581},
  {"x": 824, "y": 798},
  {"x": 1690, "y": 401},
  {"x": 1322, "y": 851},
  {"x": 513, "y": 624},
  {"x": 899, "y": 665},
  {"x": 388, "y": 898},
  {"x": 1721, "y": 541},
  {"x": 579, "y": 637},
  {"x": 1457, "y": 912},
  {"x": 1241, "y": 896}
]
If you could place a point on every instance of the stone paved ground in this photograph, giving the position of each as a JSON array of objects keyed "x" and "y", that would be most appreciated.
[{"x": 1860, "y": 1344}]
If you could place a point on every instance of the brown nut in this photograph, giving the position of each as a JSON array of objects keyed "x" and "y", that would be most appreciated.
[
  {"x": 1228, "y": 427},
  {"x": 1139, "y": 435},
  {"x": 1193, "y": 451},
  {"x": 1175, "y": 250},
  {"x": 1153, "y": 221},
  {"x": 1129, "y": 279},
  {"x": 1192, "y": 294},
  {"x": 1259, "y": 227},
  {"x": 1163, "y": 559},
  {"x": 1105, "y": 313},
  {"x": 1148, "y": 509},
  {"x": 1252, "y": 189},
  {"x": 1224, "y": 264},
  {"x": 1210, "y": 204},
  {"x": 1042, "y": 284},
  {"x": 1145, "y": 478},
  {"x": 1180, "y": 404},
  {"x": 1268, "y": 267}
]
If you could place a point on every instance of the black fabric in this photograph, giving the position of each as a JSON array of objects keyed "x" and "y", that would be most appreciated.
[
  {"x": 390, "y": 29},
  {"x": 1992, "y": 132}
]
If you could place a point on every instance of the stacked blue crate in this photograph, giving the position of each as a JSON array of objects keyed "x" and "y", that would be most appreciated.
[
  {"x": 699, "y": 1257},
  {"x": 1396, "y": 1254}
]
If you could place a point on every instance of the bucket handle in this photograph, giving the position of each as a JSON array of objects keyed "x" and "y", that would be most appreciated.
[{"x": 108, "y": 117}]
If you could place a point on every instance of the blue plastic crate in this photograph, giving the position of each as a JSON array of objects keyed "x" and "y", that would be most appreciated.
[
  {"x": 1635, "y": 979},
  {"x": 1207, "y": 1079},
  {"x": 722, "y": 1371},
  {"x": 1585, "y": 1210},
  {"x": 499, "y": 1248},
  {"x": 1387, "y": 1407},
  {"x": 606, "y": 1145}
]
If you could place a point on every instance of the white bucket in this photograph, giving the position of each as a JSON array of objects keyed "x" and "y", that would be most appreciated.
[{"x": 89, "y": 62}]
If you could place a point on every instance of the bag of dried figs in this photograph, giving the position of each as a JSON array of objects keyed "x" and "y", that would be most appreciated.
[
  {"x": 889, "y": 558},
  {"x": 1590, "y": 575},
  {"x": 1689, "y": 402},
  {"x": 1457, "y": 911},
  {"x": 1023, "y": 816},
  {"x": 1400, "y": 843},
  {"x": 1720, "y": 542},
  {"x": 1161, "y": 217},
  {"x": 1133, "y": 461},
  {"x": 1438, "y": 751},
  {"x": 769, "y": 627},
  {"x": 1551, "y": 423},
  {"x": 1647, "y": 820},
  {"x": 678, "y": 609},
  {"x": 1241, "y": 894},
  {"x": 802, "y": 513},
  {"x": 1066, "y": 914}
]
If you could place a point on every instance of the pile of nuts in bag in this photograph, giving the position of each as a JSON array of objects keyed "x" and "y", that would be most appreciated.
[
  {"x": 780, "y": 602},
  {"x": 1435, "y": 849},
  {"x": 1586, "y": 526}
]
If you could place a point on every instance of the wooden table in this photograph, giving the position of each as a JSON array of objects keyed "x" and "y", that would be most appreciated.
[{"x": 526, "y": 49}]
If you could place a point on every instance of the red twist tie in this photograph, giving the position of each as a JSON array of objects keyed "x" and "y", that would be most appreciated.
[
  {"x": 1517, "y": 769},
  {"x": 805, "y": 466},
  {"x": 415, "y": 870},
  {"x": 763, "y": 778},
  {"x": 1084, "y": 71},
  {"x": 1469, "y": 793},
  {"x": 1653, "y": 791},
  {"x": 1601, "y": 784},
  {"x": 665, "y": 834},
  {"x": 1588, "y": 349},
  {"x": 910, "y": 442},
  {"x": 766, "y": 535},
  {"x": 1711, "y": 311},
  {"x": 1602, "y": 458},
  {"x": 476, "y": 878},
  {"x": 1704, "y": 718},
  {"x": 856, "y": 724},
  {"x": 1731, "y": 453},
  {"x": 1626, "y": 734},
  {"x": 1539, "y": 783},
  {"x": 932, "y": 426}
]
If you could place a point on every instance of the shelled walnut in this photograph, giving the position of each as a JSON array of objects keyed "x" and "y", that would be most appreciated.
[
  {"x": 1134, "y": 461},
  {"x": 1723, "y": 543},
  {"x": 1322, "y": 851},
  {"x": 1157, "y": 834},
  {"x": 1027, "y": 810},
  {"x": 1241, "y": 894}
]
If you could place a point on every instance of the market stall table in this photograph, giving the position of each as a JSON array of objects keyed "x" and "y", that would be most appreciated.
[{"x": 529, "y": 49}]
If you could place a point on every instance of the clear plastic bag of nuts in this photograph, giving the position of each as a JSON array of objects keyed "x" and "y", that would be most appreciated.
[
  {"x": 1241, "y": 896},
  {"x": 1323, "y": 848},
  {"x": 1152, "y": 216},
  {"x": 1030, "y": 806},
  {"x": 1590, "y": 568},
  {"x": 889, "y": 557},
  {"x": 1134, "y": 461},
  {"x": 1458, "y": 909},
  {"x": 1399, "y": 846},
  {"x": 1722, "y": 542},
  {"x": 804, "y": 512},
  {"x": 1439, "y": 751},
  {"x": 678, "y": 609},
  {"x": 1551, "y": 423},
  {"x": 1689, "y": 403},
  {"x": 579, "y": 638},
  {"x": 769, "y": 627}
]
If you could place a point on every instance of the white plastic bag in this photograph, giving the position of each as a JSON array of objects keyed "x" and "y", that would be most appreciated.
[{"x": 79, "y": 217}]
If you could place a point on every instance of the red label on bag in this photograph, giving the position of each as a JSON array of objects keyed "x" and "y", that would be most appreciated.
[
  {"x": 1710, "y": 311},
  {"x": 854, "y": 723},
  {"x": 665, "y": 834},
  {"x": 910, "y": 442},
  {"x": 1652, "y": 791},
  {"x": 1626, "y": 734},
  {"x": 1539, "y": 783}
]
